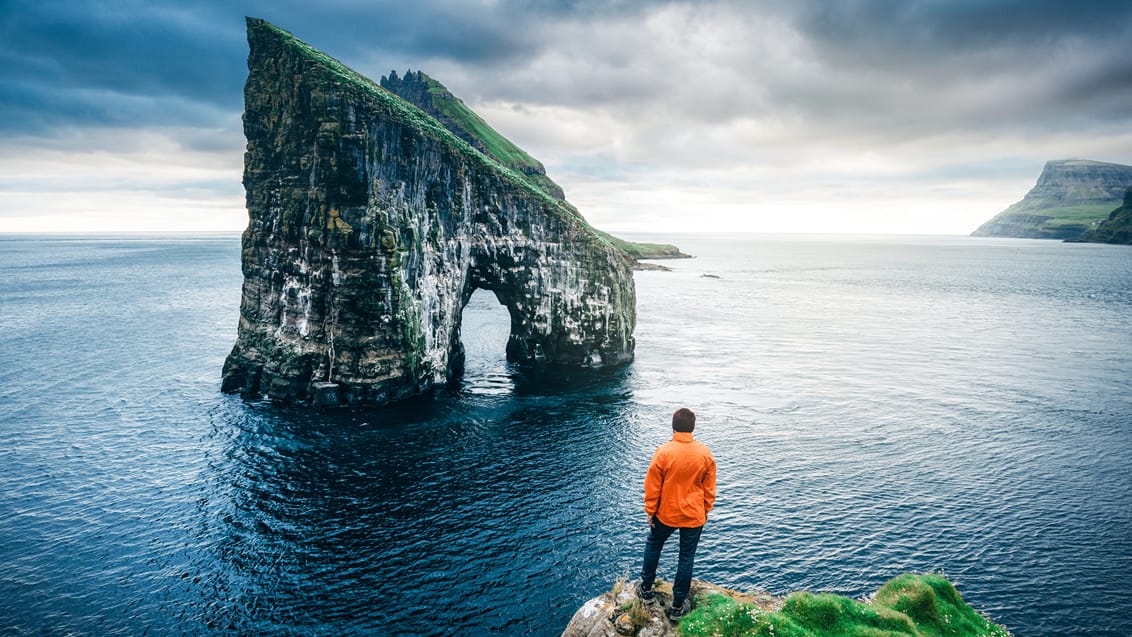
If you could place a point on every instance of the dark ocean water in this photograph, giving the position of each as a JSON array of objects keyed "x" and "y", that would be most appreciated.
[{"x": 875, "y": 406}]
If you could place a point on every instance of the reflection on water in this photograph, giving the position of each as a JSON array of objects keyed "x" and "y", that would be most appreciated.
[
  {"x": 425, "y": 515},
  {"x": 488, "y": 325},
  {"x": 430, "y": 512}
]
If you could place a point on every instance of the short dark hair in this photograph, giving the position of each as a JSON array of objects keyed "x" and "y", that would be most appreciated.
[{"x": 683, "y": 420}]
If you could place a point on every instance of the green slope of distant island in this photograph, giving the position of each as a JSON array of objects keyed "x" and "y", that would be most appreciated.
[
  {"x": 1070, "y": 198},
  {"x": 1117, "y": 228},
  {"x": 429, "y": 95}
]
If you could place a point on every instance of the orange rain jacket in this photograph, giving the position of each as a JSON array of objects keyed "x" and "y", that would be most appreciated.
[{"x": 680, "y": 483}]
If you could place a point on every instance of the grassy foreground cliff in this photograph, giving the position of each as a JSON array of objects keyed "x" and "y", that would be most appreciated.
[
  {"x": 911, "y": 605},
  {"x": 917, "y": 605}
]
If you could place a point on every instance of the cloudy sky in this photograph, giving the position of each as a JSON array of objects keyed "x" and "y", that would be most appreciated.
[{"x": 872, "y": 116}]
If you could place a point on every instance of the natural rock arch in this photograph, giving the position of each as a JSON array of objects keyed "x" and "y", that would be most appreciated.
[{"x": 370, "y": 225}]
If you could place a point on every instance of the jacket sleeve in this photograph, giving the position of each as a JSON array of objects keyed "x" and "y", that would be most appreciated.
[
  {"x": 709, "y": 485},
  {"x": 653, "y": 481}
]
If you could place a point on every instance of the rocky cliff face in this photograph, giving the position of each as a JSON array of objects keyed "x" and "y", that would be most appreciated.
[
  {"x": 1117, "y": 228},
  {"x": 1069, "y": 198},
  {"x": 370, "y": 225},
  {"x": 432, "y": 97}
]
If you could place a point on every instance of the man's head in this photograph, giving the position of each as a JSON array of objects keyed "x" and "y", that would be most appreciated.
[{"x": 683, "y": 420}]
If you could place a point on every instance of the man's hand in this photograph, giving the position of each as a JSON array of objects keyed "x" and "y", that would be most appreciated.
[{"x": 652, "y": 522}]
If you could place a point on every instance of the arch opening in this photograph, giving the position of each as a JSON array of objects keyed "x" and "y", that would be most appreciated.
[{"x": 480, "y": 355}]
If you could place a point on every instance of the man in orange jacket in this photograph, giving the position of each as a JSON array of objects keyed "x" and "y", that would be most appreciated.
[{"x": 679, "y": 492}]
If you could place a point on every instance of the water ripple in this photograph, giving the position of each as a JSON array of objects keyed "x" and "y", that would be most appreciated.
[{"x": 874, "y": 407}]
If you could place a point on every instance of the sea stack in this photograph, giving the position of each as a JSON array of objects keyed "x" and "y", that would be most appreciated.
[
  {"x": 371, "y": 224},
  {"x": 434, "y": 98}
]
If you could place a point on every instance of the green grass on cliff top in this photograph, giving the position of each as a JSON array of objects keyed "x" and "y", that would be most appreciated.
[
  {"x": 1086, "y": 214},
  {"x": 643, "y": 250},
  {"x": 497, "y": 145},
  {"x": 916, "y": 605}
]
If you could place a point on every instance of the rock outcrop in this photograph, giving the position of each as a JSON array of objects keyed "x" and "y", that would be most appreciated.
[
  {"x": 1117, "y": 228},
  {"x": 618, "y": 612},
  {"x": 370, "y": 225},
  {"x": 1069, "y": 199}
]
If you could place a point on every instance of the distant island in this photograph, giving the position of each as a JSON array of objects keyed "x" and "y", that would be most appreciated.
[{"x": 1069, "y": 202}]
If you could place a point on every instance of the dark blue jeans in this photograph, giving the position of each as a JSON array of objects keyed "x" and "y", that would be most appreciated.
[{"x": 689, "y": 539}]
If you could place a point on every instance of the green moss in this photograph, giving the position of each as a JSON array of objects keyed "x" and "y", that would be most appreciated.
[
  {"x": 497, "y": 145},
  {"x": 916, "y": 605},
  {"x": 638, "y": 614},
  {"x": 409, "y": 316},
  {"x": 469, "y": 126},
  {"x": 372, "y": 305},
  {"x": 388, "y": 240}
]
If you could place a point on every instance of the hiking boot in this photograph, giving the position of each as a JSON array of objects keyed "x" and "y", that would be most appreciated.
[
  {"x": 646, "y": 594},
  {"x": 676, "y": 612}
]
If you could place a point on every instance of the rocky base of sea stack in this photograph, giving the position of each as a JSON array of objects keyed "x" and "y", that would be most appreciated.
[{"x": 619, "y": 612}]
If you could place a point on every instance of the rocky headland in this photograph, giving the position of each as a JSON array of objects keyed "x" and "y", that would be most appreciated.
[
  {"x": 371, "y": 224},
  {"x": 1070, "y": 198}
]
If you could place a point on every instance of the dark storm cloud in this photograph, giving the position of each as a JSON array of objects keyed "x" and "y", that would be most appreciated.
[
  {"x": 856, "y": 68},
  {"x": 78, "y": 63},
  {"x": 421, "y": 29},
  {"x": 864, "y": 71},
  {"x": 708, "y": 102},
  {"x": 72, "y": 64},
  {"x": 1070, "y": 56},
  {"x": 869, "y": 31}
]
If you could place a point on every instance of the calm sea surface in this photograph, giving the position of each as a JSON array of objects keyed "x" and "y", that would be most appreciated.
[{"x": 875, "y": 406}]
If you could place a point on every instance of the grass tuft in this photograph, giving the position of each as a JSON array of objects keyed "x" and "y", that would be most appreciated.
[{"x": 619, "y": 585}]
